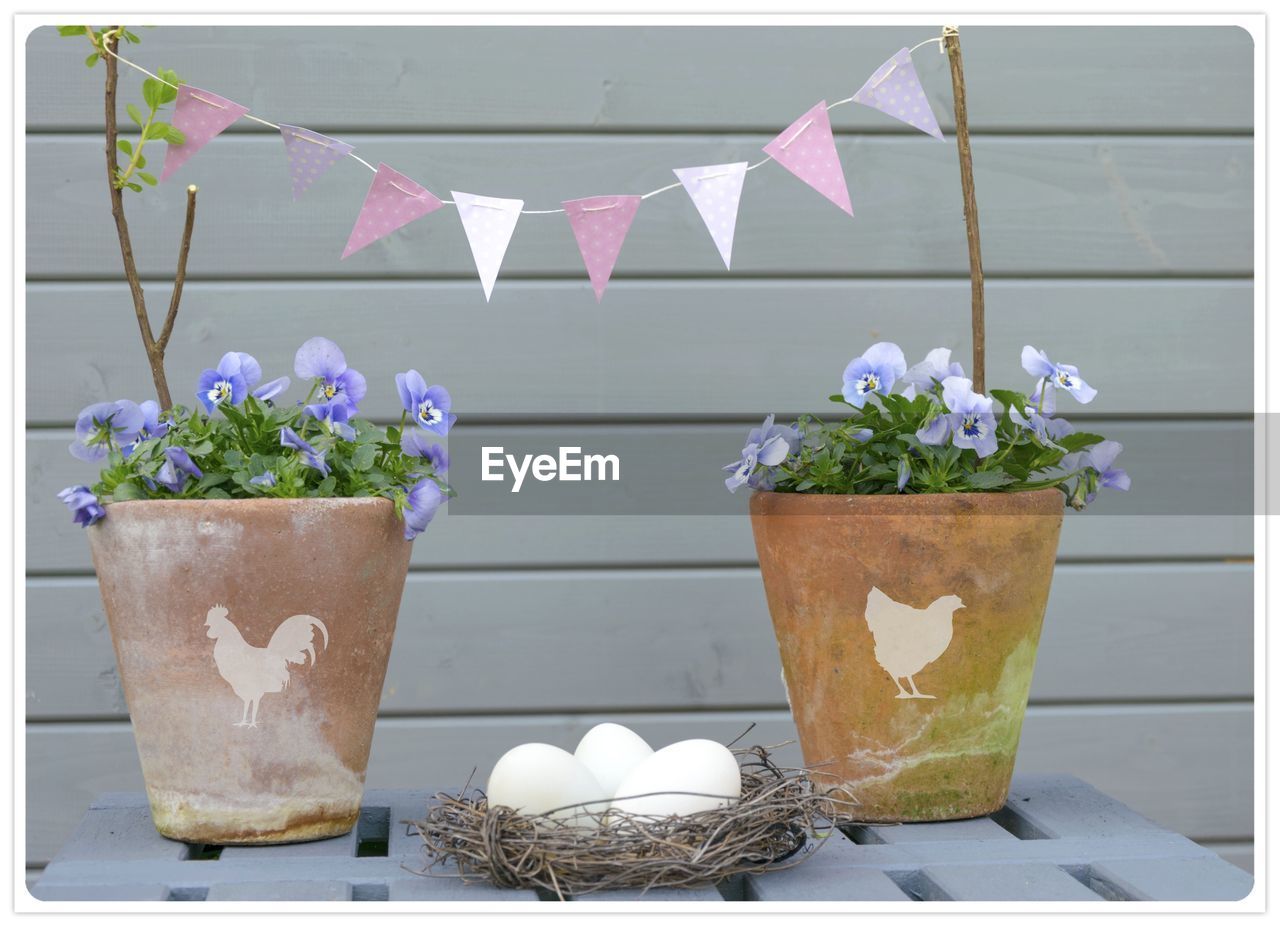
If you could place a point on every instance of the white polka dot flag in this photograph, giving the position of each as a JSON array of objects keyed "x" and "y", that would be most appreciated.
[
  {"x": 808, "y": 149},
  {"x": 310, "y": 155},
  {"x": 489, "y": 223},
  {"x": 393, "y": 201},
  {"x": 200, "y": 116},
  {"x": 895, "y": 89},
  {"x": 716, "y": 190},
  {"x": 600, "y": 224}
]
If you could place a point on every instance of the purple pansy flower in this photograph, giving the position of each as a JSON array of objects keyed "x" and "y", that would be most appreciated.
[
  {"x": 177, "y": 467},
  {"x": 322, "y": 360},
  {"x": 1048, "y": 429},
  {"x": 936, "y": 366},
  {"x": 427, "y": 405},
  {"x": 152, "y": 427},
  {"x": 414, "y": 443},
  {"x": 266, "y": 480},
  {"x": 879, "y": 367},
  {"x": 270, "y": 390},
  {"x": 968, "y": 420},
  {"x": 84, "y": 505},
  {"x": 904, "y": 472},
  {"x": 768, "y": 446},
  {"x": 1056, "y": 377},
  {"x": 310, "y": 456},
  {"x": 229, "y": 382},
  {"x": 104, "y": 424},
  {"x": 1101, "y": 457},
  {"x": 334, "y": 420},
  {"x": 420, "y": 504}
]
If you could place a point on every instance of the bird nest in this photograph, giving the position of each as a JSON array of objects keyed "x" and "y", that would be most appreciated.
[{"x": 778, "y": 822}]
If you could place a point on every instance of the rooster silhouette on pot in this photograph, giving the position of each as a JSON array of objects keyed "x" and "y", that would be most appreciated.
[
  {"x": 909, "y": 639},
  {"x": 253, "y": 672}
]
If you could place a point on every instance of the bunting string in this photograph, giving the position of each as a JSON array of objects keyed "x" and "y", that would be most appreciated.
[{"x": 600, "y": 224}]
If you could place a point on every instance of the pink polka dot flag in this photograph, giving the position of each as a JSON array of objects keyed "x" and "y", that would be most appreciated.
[
  {"x": 200, "y": 116},
  {"x": 600, "y": 224},
  {"x": 310, "y": 155},
  {"x": 716, "y": 190},
  {"x": 807, "y": 149},
  {"x": 489, "y": 223},
  {"x": 895, "y": 89},
  {"x": 393, "y": 201}
]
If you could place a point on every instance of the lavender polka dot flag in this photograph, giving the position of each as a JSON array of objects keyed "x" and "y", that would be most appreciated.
[
  {"x": 716, "y": 190},
  {"x": 200, "y": 116},
  {"x": 600, "y": 225},
  {"x": 489, "y": 222},
  {"x": 807, "y": 149},
  {"x": 310, "y": 155},
  {"x": 895, "y": 89},
  {"x": 393, "y": 202}
]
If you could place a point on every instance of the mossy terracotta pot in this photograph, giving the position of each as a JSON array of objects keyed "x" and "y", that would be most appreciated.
[
  {"x": 252, "y": 638},
  {"x": 907, "y": 627}
]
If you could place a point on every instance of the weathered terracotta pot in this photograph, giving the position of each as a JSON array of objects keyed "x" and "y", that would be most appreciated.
[
  {"x": 252, "y": 638},
  {"x": 908, "y": 627}
]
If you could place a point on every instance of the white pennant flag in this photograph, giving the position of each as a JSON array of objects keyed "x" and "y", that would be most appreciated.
[
  {"x": 716, "y": 190},
  {"x": 489, "y": 223}
]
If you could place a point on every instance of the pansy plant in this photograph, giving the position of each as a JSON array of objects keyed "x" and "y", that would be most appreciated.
[
  {"x": 241, "y": 441},
  {"x": 923, "y": 429}
]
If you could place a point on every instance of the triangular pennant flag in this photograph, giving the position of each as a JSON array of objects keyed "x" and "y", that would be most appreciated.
[
  {"x": 489, "y": 223},
  {"x": 716, "y": 190},
  {"x": 600, "y": 225},
  {"x": 393, "y": 202},
  {"x": 807, "y": 149},
  {"x": 895, "y": 89},
  {"x": 310, "y": 155},
  {"x": 200, "y": 116}
]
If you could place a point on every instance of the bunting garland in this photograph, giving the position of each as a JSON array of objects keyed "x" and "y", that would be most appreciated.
[{"x": 600, "y": 224}]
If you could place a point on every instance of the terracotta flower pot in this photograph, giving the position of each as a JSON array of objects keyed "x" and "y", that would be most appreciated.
[
  {"x": 252, "y": 638},
  {"x": 908, "y": 627}
]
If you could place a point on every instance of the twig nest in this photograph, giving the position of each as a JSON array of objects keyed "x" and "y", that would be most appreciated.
[
  {"x": 684, "y": 778},
  {"x": 779, "y": 819}
]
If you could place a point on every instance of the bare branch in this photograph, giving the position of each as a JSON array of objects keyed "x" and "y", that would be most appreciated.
[{"x": 181, "y": 275}]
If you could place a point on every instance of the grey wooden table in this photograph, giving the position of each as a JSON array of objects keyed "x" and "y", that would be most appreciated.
[{"x": 1057, "y": 839}]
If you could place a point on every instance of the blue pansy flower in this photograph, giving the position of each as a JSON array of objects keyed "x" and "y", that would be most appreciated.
[
  {"x": 1054, "y": 377},
  {"x": 968, "y": 421},
  {"x": 420, "y": 505},
  {"x": 84, "y": 505},
  {"x": 229, "y": 382},
  {"x": 320, "y": 360},
  {"x": 936, "y": 367},
  {"x": 1047, "y": 429},
  {"x": 104, "y": 425},
  {"x": 768, "y": 446},
  {"x": 270, "y": 390},
  {"x": 1100, "y": 458},
  {"x": 415, "y": 443},
  {"x": 266, "y": 480},
  {"x": 177, "y": 466},
  {"x": 428, "y": 406},
  {"x": 310, "y": 456},
  {"x": 879, "y": 367},
  {"x": 152, "y": 427}
]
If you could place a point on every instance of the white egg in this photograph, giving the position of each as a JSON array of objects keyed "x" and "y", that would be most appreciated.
[
  {"x": 702, "y": 766},
  {"x": 537, "y": 778},
  {"x": 611, "y": 751}
]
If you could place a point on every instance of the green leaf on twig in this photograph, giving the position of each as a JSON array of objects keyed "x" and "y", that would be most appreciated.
[
  {"x": 92, "y": 60},
  {"x": 125, "y": 145},
  {"x": 135, "y": 114},
  {"x": 146, "y": 178}
]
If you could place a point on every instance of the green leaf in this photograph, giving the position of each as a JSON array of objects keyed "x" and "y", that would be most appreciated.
[
  {"x": 141, "y": 161},
  {"x": 126, "y": 491},
  {"x": 989, "y": 479},
  {"x": 146, "y": 178},
  {"x": 152, "y": 90},
  {"x": 130, "y": 37},
  {"x": 362, "y": 459},
  {"x": 135, "y": 187},
  {"x": 92, "y": 60},
  {"x": 71, "y": 30},
  {"x": 158, "y": 130},
  {"x": 125, "y": 145},
  {"x": 209, "y": 480},
  {"x": 217, "y": 494},
  {"x": 175, "y": 137},
  {"x": 135, "y": 114},
  {"x": 1011, "y": 399},
  {"x": 1078, "y": 441}
]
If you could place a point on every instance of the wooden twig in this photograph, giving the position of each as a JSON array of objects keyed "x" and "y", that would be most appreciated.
[
  {"x": 951, "y": 38},
  {"x": 154, "y": 347}
]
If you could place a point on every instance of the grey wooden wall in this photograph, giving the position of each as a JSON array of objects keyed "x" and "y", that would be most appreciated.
[{"x": 1114, "y": 174}]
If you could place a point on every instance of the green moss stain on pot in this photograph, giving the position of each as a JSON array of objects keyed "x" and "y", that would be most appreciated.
[{"x": 907, "y": 629}]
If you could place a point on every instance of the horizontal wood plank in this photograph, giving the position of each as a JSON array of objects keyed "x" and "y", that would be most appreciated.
[
  {"x": 686, "y": 639},
  {"x": 691, "y": 520},
  {"x": 659, "y": 349},
  {"x": 420, "y": 78},
  {"x": 1149, "y": 757},
  {"x": 1050, "y": 205}
]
